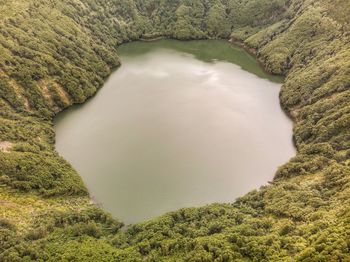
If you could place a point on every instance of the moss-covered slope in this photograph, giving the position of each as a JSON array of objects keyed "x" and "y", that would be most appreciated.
[{"x": 56, "y": 53}]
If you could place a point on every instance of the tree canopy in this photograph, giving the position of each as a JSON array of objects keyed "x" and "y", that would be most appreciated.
[{"x": 57, "y": 53}]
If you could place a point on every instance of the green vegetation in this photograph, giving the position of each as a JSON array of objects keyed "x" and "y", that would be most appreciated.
[{"x": 56, "y": 53}]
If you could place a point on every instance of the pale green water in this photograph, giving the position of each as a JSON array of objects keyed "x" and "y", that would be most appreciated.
[{"x": 180, "y": 124}]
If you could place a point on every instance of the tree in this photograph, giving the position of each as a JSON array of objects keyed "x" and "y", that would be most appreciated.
[{"x": 217, "y": 22}]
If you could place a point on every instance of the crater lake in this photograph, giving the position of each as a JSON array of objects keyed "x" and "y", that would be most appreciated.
[{"x": 179, "y": 124}]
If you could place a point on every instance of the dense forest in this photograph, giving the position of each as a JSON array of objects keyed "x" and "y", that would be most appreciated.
[{"x": 57, "y": 53}]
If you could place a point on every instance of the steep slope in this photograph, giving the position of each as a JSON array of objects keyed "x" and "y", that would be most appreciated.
[{"x": 54, "y": 54}]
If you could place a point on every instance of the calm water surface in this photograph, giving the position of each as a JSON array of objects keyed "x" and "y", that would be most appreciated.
[{"x": 180, "y": 124}]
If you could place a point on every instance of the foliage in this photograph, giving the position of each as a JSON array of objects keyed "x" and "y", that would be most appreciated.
[{"x": 56, "y": 53}]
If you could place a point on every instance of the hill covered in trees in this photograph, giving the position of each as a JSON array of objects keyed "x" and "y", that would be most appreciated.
[{"x": 57, "y": 53}]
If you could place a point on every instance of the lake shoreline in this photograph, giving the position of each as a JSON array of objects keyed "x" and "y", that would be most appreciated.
[
  {"x": 232, "y": 40},
  {"x": 228, "y": 92}
]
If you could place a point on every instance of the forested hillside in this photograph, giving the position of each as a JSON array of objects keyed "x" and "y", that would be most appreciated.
[{"x": 56, "y": 53}]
